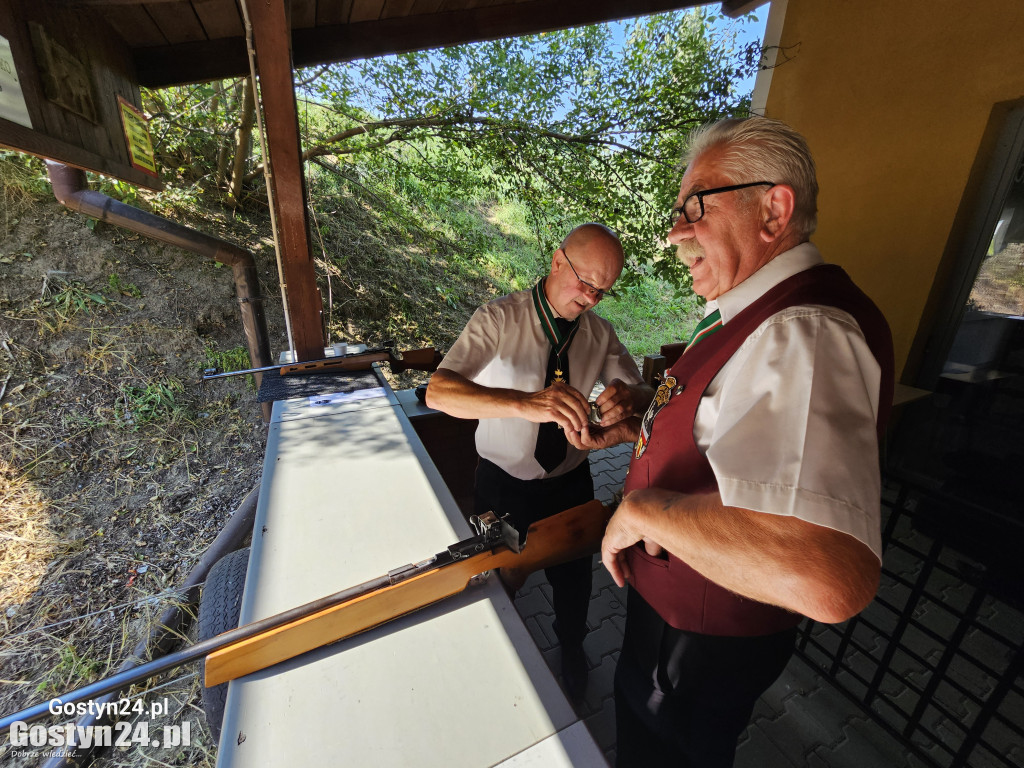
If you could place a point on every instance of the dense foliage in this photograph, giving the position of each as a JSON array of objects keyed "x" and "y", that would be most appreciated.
[{"x": 577, "y": 125}]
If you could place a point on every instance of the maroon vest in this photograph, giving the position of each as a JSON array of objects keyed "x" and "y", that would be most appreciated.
[{"x": 681, "y": 596}]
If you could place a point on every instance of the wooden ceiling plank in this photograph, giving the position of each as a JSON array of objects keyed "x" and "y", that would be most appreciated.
[
  {"x": 192, "y": 62},
  {"x": 178, "y": 21},
  {"x": 108, "y": 3},
  {"x": 459, "y": 5},
  {"x": 303, "y": 14},
  {"x": 277, "y": 94},
  {"x": 365, "y": 10},
  {"x": 333, "y": 11},
  {"x": 393, "y": 8},
  {"x": 219, "y": 18},
  {"x": 423, "y": 7},
  {"x": 135, "y": 26}
]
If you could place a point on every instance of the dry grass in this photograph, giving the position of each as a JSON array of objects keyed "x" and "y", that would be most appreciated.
[
  {"x": 19, "y": 188},
  {"x": 26, "y": 542}
]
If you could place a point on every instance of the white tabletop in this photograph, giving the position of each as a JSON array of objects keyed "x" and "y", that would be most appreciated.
[{"x": 348, "y": 494}]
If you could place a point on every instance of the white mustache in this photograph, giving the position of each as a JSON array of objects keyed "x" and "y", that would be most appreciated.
[{"x": 689, "y": 251}]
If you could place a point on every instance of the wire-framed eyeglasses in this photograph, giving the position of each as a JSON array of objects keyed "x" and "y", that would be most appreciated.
[
  {"x": 585, "y": 287},
  {"x": 692, "y": 208}
]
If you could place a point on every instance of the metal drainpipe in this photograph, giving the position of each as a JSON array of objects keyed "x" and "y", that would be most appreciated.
[
  {"x": 71, "y": 189},
  {"x": 172, "y": 624}
]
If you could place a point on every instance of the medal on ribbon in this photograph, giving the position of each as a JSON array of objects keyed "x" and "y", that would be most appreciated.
[{"x": 558, "y": 339}]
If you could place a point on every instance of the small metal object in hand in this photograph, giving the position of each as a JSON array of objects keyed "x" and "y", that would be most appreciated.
[{"x": 595, "y": 413}]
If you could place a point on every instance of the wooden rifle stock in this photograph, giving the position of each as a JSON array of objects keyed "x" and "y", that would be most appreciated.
[{"x": 566, "y": 536}]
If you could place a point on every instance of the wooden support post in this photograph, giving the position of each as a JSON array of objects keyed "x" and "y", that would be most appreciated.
[{"x": 272, "y": 40}]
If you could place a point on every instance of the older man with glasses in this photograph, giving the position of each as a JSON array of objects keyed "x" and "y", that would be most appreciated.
[
  {"x": 524, "y": 366},
  {"x": 753, "y": 494}
]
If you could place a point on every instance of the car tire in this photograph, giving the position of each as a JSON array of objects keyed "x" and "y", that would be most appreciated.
[{"x": 219, "y": 608}]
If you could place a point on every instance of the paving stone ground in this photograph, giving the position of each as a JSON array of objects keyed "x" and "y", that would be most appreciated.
[{"x": 802, "y": 721}]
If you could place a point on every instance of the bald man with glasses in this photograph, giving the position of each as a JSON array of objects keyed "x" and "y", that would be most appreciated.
[{"x": 524, "y": 366}]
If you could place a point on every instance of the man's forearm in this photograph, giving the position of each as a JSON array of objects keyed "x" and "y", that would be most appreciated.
[
  {"x": 781, "y": 560},
  {"x": 458, "y": 396}
]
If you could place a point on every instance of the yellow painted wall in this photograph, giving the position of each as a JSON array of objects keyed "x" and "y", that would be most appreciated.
[{"x": 893, "y": 97}]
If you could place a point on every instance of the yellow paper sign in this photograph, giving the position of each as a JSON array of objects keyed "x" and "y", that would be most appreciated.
[{"x": 136, "y": 133}]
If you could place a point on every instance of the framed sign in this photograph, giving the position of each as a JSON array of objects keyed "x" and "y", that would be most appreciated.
[{"x": 136, "y": 133}]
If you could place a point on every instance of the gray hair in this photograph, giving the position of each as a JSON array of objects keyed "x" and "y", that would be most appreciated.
[{"x": 762, "y": 149}]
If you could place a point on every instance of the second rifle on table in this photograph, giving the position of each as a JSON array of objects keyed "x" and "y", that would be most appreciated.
[{"x": 425, "y": 359}]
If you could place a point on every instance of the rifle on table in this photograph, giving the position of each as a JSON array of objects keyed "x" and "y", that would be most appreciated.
[
  {"x": 566, "y": 536},
  {"x": 425, "y": 359}
]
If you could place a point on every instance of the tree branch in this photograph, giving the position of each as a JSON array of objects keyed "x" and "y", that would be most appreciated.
[{"x": 455, "y": 121}]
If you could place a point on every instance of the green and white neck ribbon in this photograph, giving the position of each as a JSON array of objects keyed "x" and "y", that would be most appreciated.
[
  {"x": 559, "y": 341},
  {"x": 705, "y": 328}
]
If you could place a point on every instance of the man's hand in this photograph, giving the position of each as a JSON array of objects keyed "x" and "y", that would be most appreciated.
[
  {"x": 559, "y": 403},
  {"x": 624, "y": 530},
  {"x": 618, "y": 401},
  {"x": 457, "y": 396},
  {"x": 593, "y": 438}
]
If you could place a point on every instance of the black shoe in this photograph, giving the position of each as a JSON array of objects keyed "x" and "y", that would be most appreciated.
[{"x": 574, "y": 672}]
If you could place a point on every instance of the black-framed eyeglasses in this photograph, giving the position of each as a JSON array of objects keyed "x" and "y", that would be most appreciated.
[
  {"x": 592, "y": 290},
  {"x": 692, "y": 208}
]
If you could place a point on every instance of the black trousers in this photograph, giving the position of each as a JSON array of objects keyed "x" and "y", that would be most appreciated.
[
  {"x": 527, "y": 501},
  {"x": 682, "y": 699}
]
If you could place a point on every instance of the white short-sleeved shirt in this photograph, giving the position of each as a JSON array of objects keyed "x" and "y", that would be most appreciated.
[
  {"x": 788, "y": 424},
  {"x": 504, "y": 346}
]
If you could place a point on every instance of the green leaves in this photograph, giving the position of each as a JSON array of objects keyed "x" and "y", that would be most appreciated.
[{"x": 578, "y": 125}]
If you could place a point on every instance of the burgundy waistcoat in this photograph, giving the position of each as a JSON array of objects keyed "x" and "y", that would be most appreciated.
[{"x": 681, "y": 596}]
